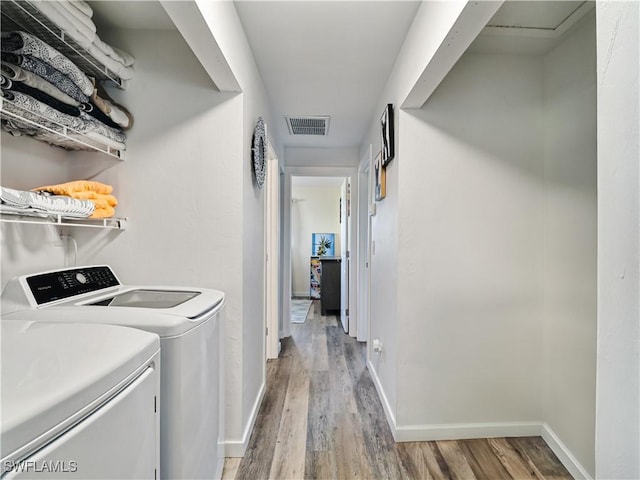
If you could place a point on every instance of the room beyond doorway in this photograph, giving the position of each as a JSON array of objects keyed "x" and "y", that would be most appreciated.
[
  {"x": 319, "y": 235},
  {"x": 344, "y": 244}
]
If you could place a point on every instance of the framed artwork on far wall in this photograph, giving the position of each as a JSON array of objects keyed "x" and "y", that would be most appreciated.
[
  {"x": 387, "y": 141},
  {"x": 323, "y": 244},
  {"x": 380, "y": 178}
]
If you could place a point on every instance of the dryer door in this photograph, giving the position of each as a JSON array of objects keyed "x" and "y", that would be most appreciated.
[{"x": 118, "y": 440}]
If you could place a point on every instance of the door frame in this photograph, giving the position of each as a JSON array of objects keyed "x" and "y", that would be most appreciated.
[
  {"x": 272, "y": 254},
  {"x": 365, "y": 199},
  {"x": 346, "y": 319},
  {"x": 289, "y": 172}
]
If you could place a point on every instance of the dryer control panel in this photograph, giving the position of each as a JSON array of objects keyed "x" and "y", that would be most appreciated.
[{"x": 61, "y": 284}]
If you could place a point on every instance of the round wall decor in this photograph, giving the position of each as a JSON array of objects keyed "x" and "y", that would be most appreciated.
[{"x": 259, "y": 149}]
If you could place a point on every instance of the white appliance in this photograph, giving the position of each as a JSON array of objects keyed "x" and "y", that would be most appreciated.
[
  {"x": 190, "y": 325},
  {"x": 79, "y": 401}
]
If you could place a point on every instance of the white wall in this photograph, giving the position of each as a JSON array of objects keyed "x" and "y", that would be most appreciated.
[
  {"x": 314, "y": 209},
  {"x": 618, "y": 387},
  {"x": 470, "y": 222},
  {"x": 25, "y": 164},
  {"x": 570, "y": 231},
  {"x": 321, "y": 157}
]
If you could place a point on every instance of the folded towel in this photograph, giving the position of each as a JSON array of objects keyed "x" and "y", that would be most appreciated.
[
  {"x": 77, "y": 186},
  {"x": 100, "y": 199},
  {"x": 47, "y": 72},
  {"x": 19, "y": 74},
  {"x": 23, "y": 43},
  {"x": 71, "y": 141},
  {"x": 105, "y": 212},
  {"x": 123, "y": 71},
  {"x": 117, "y": 113},
  {"x": 97, "y": 193},
  {"x": 31, "y": 109},
  {"x": 27, "y": 202},
  {"x": 82, "y": 6},
  {"x": 39, "y": 95},
  {"x": 66, "y": 21},
  {"x": 77, "y": 14}
]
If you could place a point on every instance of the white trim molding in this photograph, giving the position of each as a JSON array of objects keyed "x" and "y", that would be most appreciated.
[
  {"x": 461, "y": 431},
  {"x": 237, "y": 448},
  {"x": 391, "y": 419},
  {"x": 563, "y": 453}
]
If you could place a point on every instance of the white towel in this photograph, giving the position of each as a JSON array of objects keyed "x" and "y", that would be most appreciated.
[
  {"x": 20, "y": 200},
  {"x": 83, "y": 7},
  {"x": 67, "y": 22},
  {"x": 77, "y": 14},
  {"x": 124, "y": 72},
  {"x": 115, "y": 53},
  {"x": 63, "y": 15}
]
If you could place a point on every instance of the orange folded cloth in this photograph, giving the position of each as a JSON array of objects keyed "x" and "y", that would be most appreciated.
[
  {"x": 106, "y": 199},
  {"x": 98, "y": 193},
  {"x": 105, "y": 212},
  {"x": 76, "y": 186}
]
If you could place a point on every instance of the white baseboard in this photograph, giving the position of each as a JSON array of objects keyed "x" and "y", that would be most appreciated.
[
  {"x": 301, "y": 294},
  {"x": 565, "y": 456},
  {"x": 391, "y": 418},
  {"x": 460, "y": 431},
  {"x": 236, "y": 448}
]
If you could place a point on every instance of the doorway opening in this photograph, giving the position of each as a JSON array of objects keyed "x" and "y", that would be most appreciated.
[{"x": 320, "y": 226}]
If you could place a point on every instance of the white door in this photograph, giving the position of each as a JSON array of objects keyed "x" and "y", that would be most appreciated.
[
  {"x": 118, "y": 440},
  {"x": 272, "y": 254},
  {"x": 345, "y": 227},
  {"x": 364, "y": 252}
]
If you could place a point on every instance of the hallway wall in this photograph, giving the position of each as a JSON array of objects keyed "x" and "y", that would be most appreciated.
[
  {"x": 490, "y": 204},
  {"x": 618, "y": 387},
  {"x": 470, "y": 254}
]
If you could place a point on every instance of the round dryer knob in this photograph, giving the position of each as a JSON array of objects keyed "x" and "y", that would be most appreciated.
[{"x": 81, "y": 278}]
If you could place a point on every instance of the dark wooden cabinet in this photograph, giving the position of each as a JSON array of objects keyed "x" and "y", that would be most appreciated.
[{"x": 330, "y": 285}]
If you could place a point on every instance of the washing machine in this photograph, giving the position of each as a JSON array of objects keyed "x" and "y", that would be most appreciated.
[
  {"x": 190, "y": 324},
  {"x": 79, "y": 401}
]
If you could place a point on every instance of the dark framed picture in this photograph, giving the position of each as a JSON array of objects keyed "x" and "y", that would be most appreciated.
[{"x": 386, "y": 132}]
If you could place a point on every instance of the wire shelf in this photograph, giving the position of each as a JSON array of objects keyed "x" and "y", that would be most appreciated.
[
  {"x": 62, "y": 131},
  {"x": 113, "y": 223},
  {"x": 22, "y": 15}
]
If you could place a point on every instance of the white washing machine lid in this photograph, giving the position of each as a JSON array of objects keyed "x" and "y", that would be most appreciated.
[
  {"x": 55, "y": 374},
  {"x": 164, "y": 321},
  {"x": 186, "y": 302}
]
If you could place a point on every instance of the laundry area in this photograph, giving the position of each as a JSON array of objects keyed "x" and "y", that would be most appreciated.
[{"x": 197, "y": 193}]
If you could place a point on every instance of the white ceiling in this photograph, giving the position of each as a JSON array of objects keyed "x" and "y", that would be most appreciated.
[
  {"x": 530, "y": 27},
  {"x": 333, "y": 57},
  {"x": 325, "y": 58},
  {"x": 315, "y": 57},
  {"x": 539, "y": 14}
]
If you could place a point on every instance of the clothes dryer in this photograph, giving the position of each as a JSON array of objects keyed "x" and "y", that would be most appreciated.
[
  {"x": 190, "y": 324},
  {"x": 79, "y": 401}
]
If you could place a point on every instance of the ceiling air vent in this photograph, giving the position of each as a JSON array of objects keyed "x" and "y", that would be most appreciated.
[{"x": 308, "y": 125}]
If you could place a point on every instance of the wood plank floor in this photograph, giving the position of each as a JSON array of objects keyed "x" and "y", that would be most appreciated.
[{"x": 321, "y": 418}]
